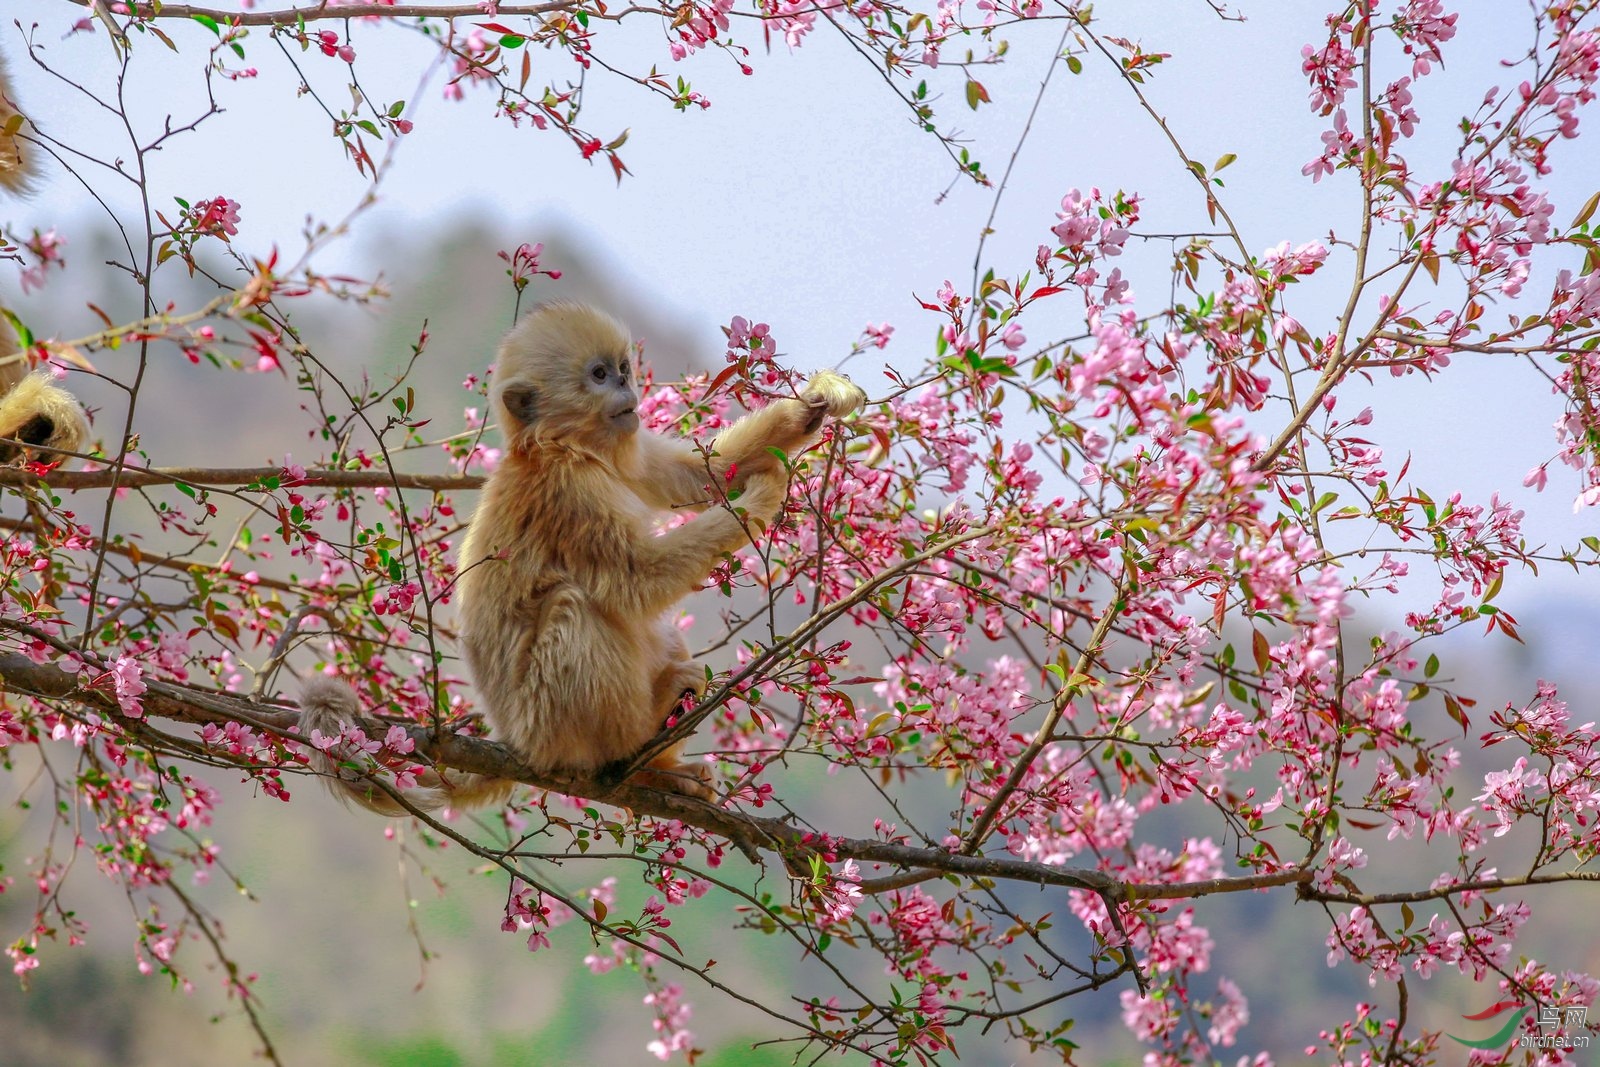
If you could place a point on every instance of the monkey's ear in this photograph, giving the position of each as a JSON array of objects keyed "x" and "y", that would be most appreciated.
[{"x": 522, "y": 403}]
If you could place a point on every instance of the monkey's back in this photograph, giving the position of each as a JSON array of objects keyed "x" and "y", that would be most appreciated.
[{"x": 562, "y": 668}]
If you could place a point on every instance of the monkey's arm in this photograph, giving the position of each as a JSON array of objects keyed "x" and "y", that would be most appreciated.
[
  {"x": 672, "y": 473},
  {"x": 634, "y": 573}
]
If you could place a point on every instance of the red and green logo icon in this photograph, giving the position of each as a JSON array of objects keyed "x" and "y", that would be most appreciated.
[{"x": 1501, "y": 1036}]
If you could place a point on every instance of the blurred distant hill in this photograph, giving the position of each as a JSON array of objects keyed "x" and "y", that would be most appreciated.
[{"x": 445, "y": 279}]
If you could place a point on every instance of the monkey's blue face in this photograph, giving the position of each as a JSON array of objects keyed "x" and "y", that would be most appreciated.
[{"x": 608, "y": 379}]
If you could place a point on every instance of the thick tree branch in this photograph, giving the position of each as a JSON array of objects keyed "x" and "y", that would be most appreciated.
[
  {"x": 292, "y": 16},
  {"x": 184, "y": 704},
  {"x": 166, "y": 700},
  {"x": 204, "y": 477}
]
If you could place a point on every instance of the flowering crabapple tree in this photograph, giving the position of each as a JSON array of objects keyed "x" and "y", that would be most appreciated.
[{"x": 1034, "y": 596}]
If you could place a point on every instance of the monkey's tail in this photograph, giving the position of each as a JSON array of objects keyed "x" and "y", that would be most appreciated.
[{"x": 327, "y": 705}]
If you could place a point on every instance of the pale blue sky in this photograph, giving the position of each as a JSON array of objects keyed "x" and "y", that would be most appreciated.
[{"x": 806, "y": 198}]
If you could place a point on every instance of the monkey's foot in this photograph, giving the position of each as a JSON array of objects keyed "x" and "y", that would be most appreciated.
[
  {"x": 675, "y": 684},
  {"x": 690, "y": 779},
  {"x": 691, "y": 681}
]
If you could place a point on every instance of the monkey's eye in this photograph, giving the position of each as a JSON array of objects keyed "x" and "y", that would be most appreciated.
[
  {"x": 599, "y": 372},
  {"x": 622, "y": 372}
]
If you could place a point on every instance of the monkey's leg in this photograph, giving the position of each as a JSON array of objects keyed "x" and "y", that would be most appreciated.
[
  {"x": 679, "y": 676},
  {"x": 677, "y": 679}
]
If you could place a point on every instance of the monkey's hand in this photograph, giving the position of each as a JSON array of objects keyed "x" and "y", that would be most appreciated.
[
  {"x": 764, "y": 493},
  {"x": 830, "y": 393}
]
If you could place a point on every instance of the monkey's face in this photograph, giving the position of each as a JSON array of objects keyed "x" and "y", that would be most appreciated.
[
  {"x": 567, "y": 372},
  {"x": 609, "y": 382},
  {"x": 35, "y": 413},
  {"x": 38, "y": 430}
]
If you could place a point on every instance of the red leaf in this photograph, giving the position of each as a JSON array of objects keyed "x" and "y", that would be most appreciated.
[{"x": 721, "y": 379}]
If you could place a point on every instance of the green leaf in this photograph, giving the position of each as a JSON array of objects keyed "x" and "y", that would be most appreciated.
[
  {"x": 208, "y": 22},
  {"x": 24, "y": 335},
  {"x": 511, "y": 40}
]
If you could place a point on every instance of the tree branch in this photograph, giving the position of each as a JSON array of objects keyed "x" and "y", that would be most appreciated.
[
  {"x": 185, "y": 704},
  {"x": 477, "y": 755},
  {"x": 293, "y": 16},
  {"x": 205, "y": 477}
]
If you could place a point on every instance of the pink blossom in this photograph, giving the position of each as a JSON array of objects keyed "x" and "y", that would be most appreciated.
[{"x": 127, "y": 678}]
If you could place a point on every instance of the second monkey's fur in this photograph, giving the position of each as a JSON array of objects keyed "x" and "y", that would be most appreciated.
[
  {"x": 34, "y": 411},
  {"x": 565, "y": 590}
]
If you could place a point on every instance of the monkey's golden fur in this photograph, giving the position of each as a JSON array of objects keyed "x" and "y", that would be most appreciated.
[
  {"x": 565, "y": 589},
  {"x": 33, "y": 410}
]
